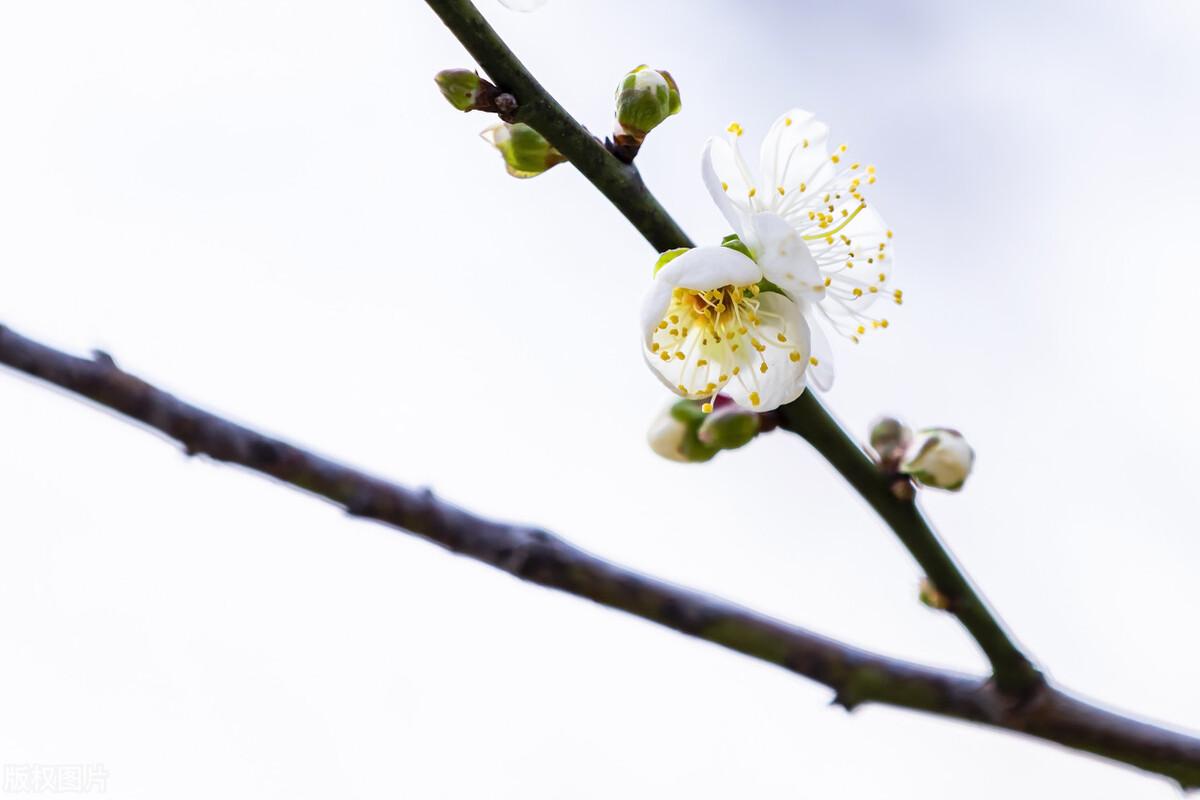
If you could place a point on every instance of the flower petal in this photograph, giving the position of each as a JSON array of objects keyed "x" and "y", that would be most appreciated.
[
  {"x": 820, "y": 374},
  {"x": 785, "y": 359},
  {"x": 795, "y": 151},
  {"x": 726, "y": 184},
  {"x": 784, "y": 257},
  {"x": 711, "y": 267}
]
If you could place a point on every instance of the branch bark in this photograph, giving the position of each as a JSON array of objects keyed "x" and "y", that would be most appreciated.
[
  {"x": 1012, "y": 670},
  {"x": 856, "y": 676}
]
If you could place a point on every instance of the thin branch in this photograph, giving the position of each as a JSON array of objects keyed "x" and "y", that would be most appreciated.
[
  {"x": 856, "y": 676},
  {"x": 1012, "y": 670}
]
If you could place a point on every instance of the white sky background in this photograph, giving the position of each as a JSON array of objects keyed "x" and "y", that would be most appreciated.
[{"x": 267, "y": 208}]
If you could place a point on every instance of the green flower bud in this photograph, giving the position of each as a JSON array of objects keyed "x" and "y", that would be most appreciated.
[
  {"x": 525, "y": 152},
  {"x": 890, "y": 439},
  {"x": 940, "y": 458},
  {"x": 645, "y": 98},
  {"x": 673, "y": 436},
  {"x": 930, "y": 595},
  {"x": 461, "y": 88},
  {"x": 728, "y": 428}
]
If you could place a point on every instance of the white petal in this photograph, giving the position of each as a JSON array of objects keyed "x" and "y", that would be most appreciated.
[
  {"x": 523, "y": 5},
  {"x": 786, "y": 362},
  {"x": 820, "y": 374},
  {"x": 711, "y": 267},
  {"x": 866, "y": 232},
  {"x": 796, "y": 152},
  {"x": 784, "y": 256},
  {"x": 725, "y": 183},
  {"x": 654, "y": 307}
]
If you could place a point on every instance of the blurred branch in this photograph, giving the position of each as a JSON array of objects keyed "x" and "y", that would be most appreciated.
[
  {"x": 1012, "y": 670},
  {"x": 856, "y": 676}
]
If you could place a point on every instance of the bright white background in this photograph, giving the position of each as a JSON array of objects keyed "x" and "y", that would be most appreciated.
[{"x": 266, "y": 207}]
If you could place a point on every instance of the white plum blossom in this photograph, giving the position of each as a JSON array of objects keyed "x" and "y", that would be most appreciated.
[
  {"x": 719, "y": 320},
  {"x": 709, "y": 327}
]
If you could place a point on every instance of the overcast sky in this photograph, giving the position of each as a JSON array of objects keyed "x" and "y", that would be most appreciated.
[{"x": 267, "y": 208}]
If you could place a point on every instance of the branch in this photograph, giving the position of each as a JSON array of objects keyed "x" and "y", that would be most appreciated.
[
  {"x": 1012, "y": 670},
  {"x": 856, "y": 676}
]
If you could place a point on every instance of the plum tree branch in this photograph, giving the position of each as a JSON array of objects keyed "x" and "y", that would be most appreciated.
[
  {"x": 856, "y": 676},
  {"x": 1012, "y": 670}
]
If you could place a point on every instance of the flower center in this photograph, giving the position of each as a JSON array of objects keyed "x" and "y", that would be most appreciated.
[{"x": 718, "y": 335}]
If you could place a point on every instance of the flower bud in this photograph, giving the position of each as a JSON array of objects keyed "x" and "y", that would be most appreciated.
[
  {"x": 645, "y": 98},
  {"x": 673, "y": 436},
  {"x": 890, "y": 439},
  {"x": 728, "y": 428},
  {"x": 932, "y": 597},
  {"x": 940, "y": 458},
  {"x": 526, "y": 153},
  {"x": 461, "y": 88}
]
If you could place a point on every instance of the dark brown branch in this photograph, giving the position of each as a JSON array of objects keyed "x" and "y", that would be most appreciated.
[{"x": 856, "y": 676}]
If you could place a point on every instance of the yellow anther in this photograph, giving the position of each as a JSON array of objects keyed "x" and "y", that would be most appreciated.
[
  {"x": 842, "y": 148},
  {"x": 882, "y": 277},
  {"x": 702, "y": 362},
  {"x": 781, "y": 190},
  {"x": 781, "y": 337},
  {"x": 762, "y": 367},
  {"x": 828, "y": 281},
  {"x": 680, "y": 355},
  {"x": 857, "y": 292},
  {"x": 724, "y": 186},
  {"x": 664, "y": 355},
  {"x": 861, "y": 329},
  {"x": 662, "y": 325},
  {"x": 813, "y": 360},
  {"x": 706, "y": 408},
  {"x": 889, "y": 234},
  {"x": 682, "y": 388},
  {"x": 735, "y": 129},
  {"x": 712, "y": 387},
  {"x": 803, "y": 187},
  {"x": 805, "y": 143},
  {"x": 870, "y": 169},
  {"x": 794, "y": 356},
  {"x": 873, "y": 289},
  {"x": 753, "y": 191},
  {"x": 755, "y": 399},
  {"x": 724, "y": 378},
  {"x": 736, "y": 370},
  {"x": 674, "y": 319},
  {"x": 654, "y": 347},
  {"x": 883, "y": 323},
  {"x": 855, "y": 165}
]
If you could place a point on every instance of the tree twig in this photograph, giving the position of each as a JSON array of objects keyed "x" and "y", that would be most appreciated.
[
  {"x": 856, "y": 676},
  {"x": 1013, "y": 671}
]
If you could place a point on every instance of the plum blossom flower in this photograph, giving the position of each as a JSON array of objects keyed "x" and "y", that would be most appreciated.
[
  {"x": 846, "y": 262},
  {"x": 744, "y": 318},
  {"x": 709, "y": 327}
]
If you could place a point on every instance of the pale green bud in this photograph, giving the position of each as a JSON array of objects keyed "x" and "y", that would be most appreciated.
[
  {"x": 645, "y": 98},
  {"x": 930, "y": 595},
  {"x": 461, "y": 88},
  {"x": 728, "y": 428},
  {"x": 526, "y": 153},
  {"x": 940, "y": 458},
  {"x": 673, "y": 436},
  {"x": 890, "y": 439}
]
